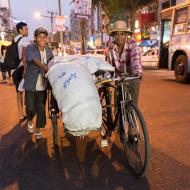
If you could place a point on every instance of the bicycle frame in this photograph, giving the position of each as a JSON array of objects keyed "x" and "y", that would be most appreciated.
[
  {"x": 52, "y": 104},
  {"x": 120, "y": 109},
  {"x": 132, "y": 128},
  {"x": 126, "y": 97}
]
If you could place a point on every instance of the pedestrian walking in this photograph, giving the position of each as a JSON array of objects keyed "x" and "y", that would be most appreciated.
[
  {"x": 18, "y": 73},
  {"x": 3, "y": 69},
  {"x": 38, "y": 55}
]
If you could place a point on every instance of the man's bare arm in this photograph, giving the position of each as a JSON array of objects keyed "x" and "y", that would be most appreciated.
[
  {"x": 24, "y": 56},
  {"x": 24, "y": 59}
]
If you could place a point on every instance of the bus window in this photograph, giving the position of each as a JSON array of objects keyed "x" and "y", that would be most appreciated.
[
  {"x": 166, "y": 32},
  {"x": 180, "y": 24}
]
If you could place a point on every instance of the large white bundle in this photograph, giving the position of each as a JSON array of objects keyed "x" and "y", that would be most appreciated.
[
  {"x": 76, "y": 96},
  {"x": 93, "y": 63},
  {"x": 96, "y": 63}
]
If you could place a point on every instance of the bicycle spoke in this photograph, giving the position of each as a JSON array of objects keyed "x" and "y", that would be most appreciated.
[
  {"x": 135, "y": 157},
  {"x": 137, "y": 164},
  {"x": 135, "y": 141}
]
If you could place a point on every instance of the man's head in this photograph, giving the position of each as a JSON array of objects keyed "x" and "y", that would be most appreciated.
[
  {"x": 41, "y": 36},
  {"x": 119, "y": 32},
  {"x": 22, "y": 28}
]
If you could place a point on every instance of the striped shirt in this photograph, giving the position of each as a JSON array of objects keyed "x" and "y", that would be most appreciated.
[{"x": 129, "y": 60}]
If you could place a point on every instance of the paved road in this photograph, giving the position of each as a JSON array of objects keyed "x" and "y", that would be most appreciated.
[{"x": 81, "y": 164}]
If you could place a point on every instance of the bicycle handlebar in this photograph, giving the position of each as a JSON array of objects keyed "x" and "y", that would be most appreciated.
[
  {"x": 118, "y": 79},
  {"x": 125, "y": 78}
]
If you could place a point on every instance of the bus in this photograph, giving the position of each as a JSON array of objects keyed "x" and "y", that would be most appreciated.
[{"x": 175, "y": 41}]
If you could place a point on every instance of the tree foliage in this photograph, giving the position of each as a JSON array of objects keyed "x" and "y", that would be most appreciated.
[{"x": 118, "y": 9}]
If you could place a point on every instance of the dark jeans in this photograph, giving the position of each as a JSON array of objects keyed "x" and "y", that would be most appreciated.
[
  {"x": 3, "y": 72},
  {"x": 134, "y": 89},
  {"x": 35, "y": 104},
  {"x": 4, "y": 75},
  {"x": 134, "y": 86}
]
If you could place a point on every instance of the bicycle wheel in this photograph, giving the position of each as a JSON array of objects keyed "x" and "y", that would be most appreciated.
[
  {"x": 55, "y": 128},
  {"x": 135, "y": 140}
]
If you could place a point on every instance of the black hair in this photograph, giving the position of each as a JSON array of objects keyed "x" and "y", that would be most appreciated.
[
  {"x": 20, "y": 25},
  {"x": 40, "y": 30}
]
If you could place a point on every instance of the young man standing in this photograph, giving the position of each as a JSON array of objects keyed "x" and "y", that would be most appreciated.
[
  {"x": 124, "y": 54},
  {"x": 18, "y": 73},
  {"x": 35, "y": 85}
]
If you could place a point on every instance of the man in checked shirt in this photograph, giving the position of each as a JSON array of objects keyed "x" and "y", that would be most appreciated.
[{"x": 124, "y": 54}]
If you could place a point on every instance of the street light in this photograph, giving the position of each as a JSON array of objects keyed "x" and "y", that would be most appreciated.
[{"x": 37, "y": 15}]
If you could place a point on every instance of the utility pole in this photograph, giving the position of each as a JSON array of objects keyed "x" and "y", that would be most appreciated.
[
  {"x": 82, "y": 9},
  {"x": 61, "y": 33},
  {"x": 52, "y": 13},
  {"x": 59, "y": 4},
  {"x": 83, "y": 37},
  {"x": 51, "y": 17}
]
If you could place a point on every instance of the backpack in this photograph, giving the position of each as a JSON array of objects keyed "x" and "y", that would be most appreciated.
[{"x": 12, "y": 60}]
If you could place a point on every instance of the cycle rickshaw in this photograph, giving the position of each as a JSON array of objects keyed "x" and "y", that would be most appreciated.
[{"x": 126, "y": 120}]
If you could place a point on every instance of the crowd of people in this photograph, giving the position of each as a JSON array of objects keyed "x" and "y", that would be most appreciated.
[{"x": 122, "y": 52}]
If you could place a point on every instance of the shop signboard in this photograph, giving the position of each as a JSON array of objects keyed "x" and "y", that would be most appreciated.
[
  {"x": 83, "y": 7},
  {"x": 60, "y": 23}
]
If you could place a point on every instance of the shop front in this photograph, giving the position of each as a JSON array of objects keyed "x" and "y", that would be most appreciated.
[{"x": 146, "y": 23}]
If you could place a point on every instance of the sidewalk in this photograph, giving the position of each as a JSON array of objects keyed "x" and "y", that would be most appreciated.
[{"x": 9, "y": 116}]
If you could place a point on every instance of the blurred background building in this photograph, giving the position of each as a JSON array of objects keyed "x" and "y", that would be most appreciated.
[
  {"x": 5, "y": 30},
  {"x": 97, "y": 25}
]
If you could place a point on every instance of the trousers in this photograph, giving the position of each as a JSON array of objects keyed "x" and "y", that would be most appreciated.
[
  {"x": 35, "y": 105},
  {"x": 134, "y": 86}
]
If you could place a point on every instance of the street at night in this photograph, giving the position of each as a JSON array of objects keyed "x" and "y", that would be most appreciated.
[
  {"x": 80, "y": 163},
  {"x": 74, "y": 75}
]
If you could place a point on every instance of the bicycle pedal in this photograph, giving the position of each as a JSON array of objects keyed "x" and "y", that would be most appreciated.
[{"x": 103, "y": 142}]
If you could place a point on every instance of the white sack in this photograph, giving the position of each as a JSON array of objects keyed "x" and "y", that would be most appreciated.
[
  {"x": 96, "y": 63},
  {"x": 93, "y": 63},
  {"x": 76, "y": 95}
]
